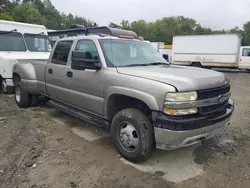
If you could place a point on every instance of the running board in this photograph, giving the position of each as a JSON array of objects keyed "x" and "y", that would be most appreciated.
[{"x": 88, "y": 117}]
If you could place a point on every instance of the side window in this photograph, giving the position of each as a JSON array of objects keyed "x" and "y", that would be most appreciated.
[
  {"x": 246, "y": 52},
  {"x": 89, "y": 48},
  {"x": 61, "y": 52}
]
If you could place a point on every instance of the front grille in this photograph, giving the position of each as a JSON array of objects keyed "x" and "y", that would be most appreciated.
[
  {"x": 213, "y": 109},
  {"x": 212, "y": 93}
]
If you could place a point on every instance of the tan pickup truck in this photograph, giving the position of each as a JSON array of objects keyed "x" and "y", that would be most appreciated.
[{"x": 123, "y": 85}]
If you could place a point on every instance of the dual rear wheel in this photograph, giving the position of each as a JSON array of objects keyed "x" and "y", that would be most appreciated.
[{"x": 24, "y": 99}]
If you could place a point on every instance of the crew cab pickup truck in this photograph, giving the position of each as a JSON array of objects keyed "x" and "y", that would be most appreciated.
[{"x": 125, "y": 86}]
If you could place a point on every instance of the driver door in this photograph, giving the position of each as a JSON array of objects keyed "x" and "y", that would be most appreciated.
[{"x": 86, "y": 86}]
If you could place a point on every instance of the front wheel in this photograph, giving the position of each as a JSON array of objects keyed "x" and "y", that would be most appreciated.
[
  {"x": 22, "y": 98},
  {"x": 5, "y": 88},
  {"x": 133, "y": 135}
]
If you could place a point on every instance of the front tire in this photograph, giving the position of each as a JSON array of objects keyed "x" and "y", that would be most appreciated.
[
  {"x": 22, "y": 98},
  {"x": 5, "y": 88},
  {"x": 133, "y": 135}
]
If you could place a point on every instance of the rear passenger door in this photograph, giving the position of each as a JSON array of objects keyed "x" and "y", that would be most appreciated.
[{"x": 56, "y": 79}]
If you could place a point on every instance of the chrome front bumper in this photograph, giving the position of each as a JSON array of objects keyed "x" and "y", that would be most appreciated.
[{"x": 168, "y": 138}]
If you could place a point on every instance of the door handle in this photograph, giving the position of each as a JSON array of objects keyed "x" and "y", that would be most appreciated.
[
  {"x": 50, "y": 71},
  {"x": 69, "y": 74}
]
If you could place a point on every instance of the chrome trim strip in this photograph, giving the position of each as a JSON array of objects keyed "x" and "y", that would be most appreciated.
[{"x": 197, "y": 104}]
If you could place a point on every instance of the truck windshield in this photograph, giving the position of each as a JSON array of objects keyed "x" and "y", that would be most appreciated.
[
  {"x": 123, "y": 53},
  {"x": 37, "y": 42},
  {"x": 12, "y": 41}
]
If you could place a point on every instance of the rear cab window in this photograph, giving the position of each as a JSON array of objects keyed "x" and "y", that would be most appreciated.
[{"x": 61, "y": 52}]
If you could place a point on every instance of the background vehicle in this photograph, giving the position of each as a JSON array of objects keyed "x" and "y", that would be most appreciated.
[
  {"x": 222, "y": 50},
  {"x": 20, "y": 42},
  {"x": 125, "y": 86},
  {"x": 164, "y": 50}
]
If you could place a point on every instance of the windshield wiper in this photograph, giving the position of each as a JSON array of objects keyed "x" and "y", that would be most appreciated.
[
  {"x": 157, "y": 63},
  {"x": 134, "y": 65},
  {"x": 148, "y": 64},
  {"x": 6, "y": 32}
]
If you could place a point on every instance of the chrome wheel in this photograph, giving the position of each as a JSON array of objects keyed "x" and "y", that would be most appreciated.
[
  {"x": 128, "y": 136},
  {"x": 18, "y": 94},
  {"x": 4, "y": 86}
]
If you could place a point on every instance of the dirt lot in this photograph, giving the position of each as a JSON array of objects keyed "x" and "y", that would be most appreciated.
[{"x": 42, "y": 148}]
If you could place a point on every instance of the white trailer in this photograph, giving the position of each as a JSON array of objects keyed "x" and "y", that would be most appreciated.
[
  {"x": 20, "y": 42},
  {"x": 223, "y": 50}
]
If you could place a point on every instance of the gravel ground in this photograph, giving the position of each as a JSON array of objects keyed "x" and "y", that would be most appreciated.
[{"x": 44, "y": 148}]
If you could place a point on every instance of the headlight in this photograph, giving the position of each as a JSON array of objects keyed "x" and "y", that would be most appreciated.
[{"x": 179, "y": 97}]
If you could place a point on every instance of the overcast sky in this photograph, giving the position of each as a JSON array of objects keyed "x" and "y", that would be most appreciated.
[{"x": 216, "y": 14}]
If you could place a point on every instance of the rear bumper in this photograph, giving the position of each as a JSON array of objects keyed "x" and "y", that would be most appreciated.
[{"x": 172, "y": 134}]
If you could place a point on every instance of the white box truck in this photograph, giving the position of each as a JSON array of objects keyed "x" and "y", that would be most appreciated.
[
  {"x": 20, "y": 42},
  {"x": 223, "y": 50}
]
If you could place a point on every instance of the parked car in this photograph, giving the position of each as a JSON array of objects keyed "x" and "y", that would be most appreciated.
[
  {"x": 126, "y": 87},
  {"x": 223, "y": 50},
  {"x": 20, "y": 42}
]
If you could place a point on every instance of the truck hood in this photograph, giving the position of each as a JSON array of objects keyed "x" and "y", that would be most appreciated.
[
  {"x": 182, "y": 78},
  {"x": 24, "y": 55}
]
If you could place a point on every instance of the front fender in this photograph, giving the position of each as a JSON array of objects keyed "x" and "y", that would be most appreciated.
[{"x": 148, "y": 99}]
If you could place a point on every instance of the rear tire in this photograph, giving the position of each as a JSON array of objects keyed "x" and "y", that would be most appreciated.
[
  {"x": 22, "y": 98},
  {"x": 196, "y": 64},
  {"x": 5, "y": 88},
  {"x": 133, "y": 135}
]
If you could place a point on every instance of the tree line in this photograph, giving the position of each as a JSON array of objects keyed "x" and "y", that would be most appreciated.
[
  {"x": 39, "y": 12},
  {"x": 162, "y": 30}
]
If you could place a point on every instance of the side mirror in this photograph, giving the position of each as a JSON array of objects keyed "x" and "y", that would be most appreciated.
[{"x": 84, "y": 60}]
